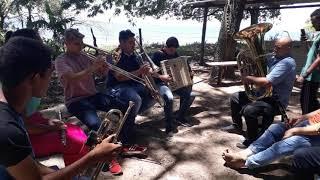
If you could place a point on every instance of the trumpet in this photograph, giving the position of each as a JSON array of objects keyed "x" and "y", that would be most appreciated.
[
  {"x": 112, "y": 124},
  {"x": 113, "y": 67}
]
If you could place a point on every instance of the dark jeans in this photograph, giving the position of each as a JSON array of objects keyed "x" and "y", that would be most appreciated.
[
  {"x": 308, "y": 97},
  {"x": 86, "y": 111},
  {"x": 266, "y": 108},
  {"x": 186, "y": 99},
  {"x": 136, "y": 93},
  {"x": 306, "y": 163}
]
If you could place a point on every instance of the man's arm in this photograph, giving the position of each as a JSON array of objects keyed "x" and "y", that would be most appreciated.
[
  {"x": 312, "y": 67},
  {"x": 142, "y": 70},
  {"x": 310, "y": 130},
  {"x": 28, "y": 169},
  {"x": 259, "y": 81}
]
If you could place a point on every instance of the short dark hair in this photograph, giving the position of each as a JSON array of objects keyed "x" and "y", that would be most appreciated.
[
  {"x": 7, "y": 36},
  {"x": 21, "y": 57},
  {"x": 72, "y": 34},
  {"x": 172, "y": 42},
  {"x": 28, "y": 33},
  {"x": 315, "y": 13},
  {"x": 125, "y": 35}
]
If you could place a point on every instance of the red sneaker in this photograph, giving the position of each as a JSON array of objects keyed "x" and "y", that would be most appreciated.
[
  {"x": 115, "y": 168},
  {"x": 132, "y": 150}
]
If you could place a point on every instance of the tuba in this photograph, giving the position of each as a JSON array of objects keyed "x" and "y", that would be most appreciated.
[
  {"x": 252, "y": 62},
  {"x": 112, "y": 124}
]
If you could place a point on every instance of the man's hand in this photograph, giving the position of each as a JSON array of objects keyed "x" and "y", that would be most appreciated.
[
  {"x": 105, "y": 151},
  {"x": 244, "y": 79},
  {"x": 299, "y": 79},
  {"x": 289, "y": 133},
  {"x": 98, "y": 65},
  {"x": 56, "y": 125},
  {"x": 293, "y": 121},
  {"x": 165, "y": 78},
  {"x": 144, "y": 69}
]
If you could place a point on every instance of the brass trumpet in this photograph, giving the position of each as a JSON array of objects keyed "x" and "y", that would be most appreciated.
[{"x": 112, "y": 124}]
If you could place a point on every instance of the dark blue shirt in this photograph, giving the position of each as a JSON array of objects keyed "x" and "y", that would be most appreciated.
[{"x": 127, "y": 63}]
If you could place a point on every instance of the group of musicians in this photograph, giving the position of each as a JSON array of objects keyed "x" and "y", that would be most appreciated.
[
  {"x": 26, "y": 134},
  {"x": 28, "y": 139}
]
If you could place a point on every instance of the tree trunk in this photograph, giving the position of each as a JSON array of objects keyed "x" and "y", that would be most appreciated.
[
  {"x": 226, "y": 45},
  {"x": 254, "y": 14}
]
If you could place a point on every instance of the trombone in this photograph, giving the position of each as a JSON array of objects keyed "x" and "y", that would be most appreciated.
[{"x": 113, "y": 67}]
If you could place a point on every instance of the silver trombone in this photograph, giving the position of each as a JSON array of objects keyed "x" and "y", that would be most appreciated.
[{"x": 113, "y": 67}]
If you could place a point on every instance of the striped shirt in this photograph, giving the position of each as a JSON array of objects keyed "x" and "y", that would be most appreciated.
[{"x": 76, "y": 89}]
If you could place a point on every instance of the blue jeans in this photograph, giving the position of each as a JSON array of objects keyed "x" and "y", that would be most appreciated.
[
  {"x": 186, "y": 99},
  {"x": 270, "y": 146},
  {"x": 86, "y": 110},
  {"x": 136, "y": 93}
]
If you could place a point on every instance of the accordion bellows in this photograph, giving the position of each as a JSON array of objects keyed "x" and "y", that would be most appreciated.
[{"x": 178, "y": 69}]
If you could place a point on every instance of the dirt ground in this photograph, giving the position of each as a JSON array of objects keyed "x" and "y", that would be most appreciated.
[{"x": 195, "y": 152}]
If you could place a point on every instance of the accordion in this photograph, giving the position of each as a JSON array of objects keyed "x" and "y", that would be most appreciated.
[{"x": 178, "y": 69}]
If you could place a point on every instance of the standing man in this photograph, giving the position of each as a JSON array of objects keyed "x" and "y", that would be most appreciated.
[
  {"x": 186, "y": 97},
  {"x": 75, "y": 71},
  {"x": 281, "y": 76},
  {"x": 25, "y": 71},
  {"x": 310, "y": 76}
]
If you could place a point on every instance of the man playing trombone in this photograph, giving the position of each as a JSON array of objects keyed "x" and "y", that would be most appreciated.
[
  {"x": 124, "y": 88},
  {"x": 75, "y": 71}
]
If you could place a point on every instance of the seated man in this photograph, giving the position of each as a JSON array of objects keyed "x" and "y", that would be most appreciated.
[
  {"x": 25, "y": 74},
  {"x": 186, "y": 97},
  {"x": 281, "y": 76},
  {"x": 42, "y": 130},
  {"x": 124, "y": 88},
  {"x": 75, "y": 71},
  {"x": 277, "y": 141}
]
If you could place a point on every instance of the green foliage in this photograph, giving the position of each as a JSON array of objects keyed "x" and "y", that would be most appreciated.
[
  {"x": 2, "y": 36},
  {"x": 56, "y": 47}
]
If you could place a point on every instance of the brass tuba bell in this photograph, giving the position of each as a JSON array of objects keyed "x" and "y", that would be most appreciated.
[{"x": 252, "y": 62}]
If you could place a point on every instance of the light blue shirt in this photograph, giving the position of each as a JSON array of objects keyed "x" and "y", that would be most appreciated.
[{"x": 281, "y": 74}]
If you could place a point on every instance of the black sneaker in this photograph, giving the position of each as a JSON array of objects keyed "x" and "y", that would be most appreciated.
[
  {"x": 245, "y": 144},
  {"x": 232, "y": 129},
  {"x": 170, "y": 131},
  {"x": 183, "y": 122}
]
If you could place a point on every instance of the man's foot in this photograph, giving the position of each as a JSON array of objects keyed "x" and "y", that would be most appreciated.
[
  {"x": 183, "y": 122},
  {"x": 232, "y": 129},
  {"x": 245, "y": 144},
  {"x": 233, "y": 160},
  {"x": 133, "y": 150},
  {"x": 115, "y": 168},
  {"x": 171, "y": 130}
]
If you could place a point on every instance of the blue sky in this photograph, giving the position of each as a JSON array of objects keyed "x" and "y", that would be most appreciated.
[{"x": 106, "y": 27}]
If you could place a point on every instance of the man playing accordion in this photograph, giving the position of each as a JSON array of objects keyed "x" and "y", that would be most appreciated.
[{"x": 186, "y": 97}]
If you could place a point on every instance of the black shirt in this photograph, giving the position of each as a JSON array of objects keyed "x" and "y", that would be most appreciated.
[
  {"x": 127, "y": 63},
  {"x": 14, "y": 141},
  {"x": 160, "y": 56}
]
